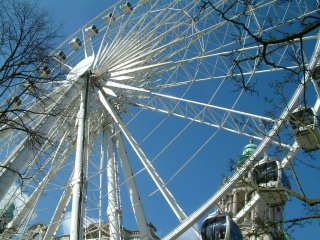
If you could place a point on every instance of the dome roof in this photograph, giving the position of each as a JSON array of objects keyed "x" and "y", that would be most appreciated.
[
  {"x": 8, "y": 212},
  {"x": 248, "y": 150}
]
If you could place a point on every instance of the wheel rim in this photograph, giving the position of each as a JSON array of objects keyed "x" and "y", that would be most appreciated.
[{"x": 156, "y": 68}]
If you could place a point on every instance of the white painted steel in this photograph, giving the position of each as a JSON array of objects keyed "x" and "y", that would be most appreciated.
[
  {"x": 133, "y": 190},
  {"x": 261, "y": 148},
  {"x": 101, "y": 179},
  {"x": 76, "y": 229},
  {"x": 148, "y": 166},
  {"x": 154, "y": 61},
  {"x": 295, "y": 147},
  {"x": 17, "y": 159},
  {"x": 59, "y": 211},
  {"x": 153, "y": 174},
  {"x": 113, "y": 210},
  {"x": 28, "y": 207}
]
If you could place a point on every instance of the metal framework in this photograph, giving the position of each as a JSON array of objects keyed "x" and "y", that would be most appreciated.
[{"x": 161, "y": 66}]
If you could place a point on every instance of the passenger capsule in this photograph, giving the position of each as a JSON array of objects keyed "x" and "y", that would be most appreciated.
[
  {"x": 144, "y": 2},
  {"x": 61, "y": 56},
  {"x": 29, "y": 86},
  {"x": 75, "y": 44},
  {"x": 92, "y": 31},
  {"x": 44, "y": 70},
  {"x": 268, "y": 174},
  {"x": 15, "y": 102},
  {"x": 109, "y": 19},
  {"x": 127, "y": 8},
  {"x": 220, "y": 227},
  {"x": 305, "y": 128},
  {"x": 6, "y": 216},
  {"x": 316, "y": 72}
]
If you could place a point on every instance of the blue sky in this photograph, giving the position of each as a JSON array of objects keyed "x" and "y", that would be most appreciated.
[{"x": 73, "y": 14}]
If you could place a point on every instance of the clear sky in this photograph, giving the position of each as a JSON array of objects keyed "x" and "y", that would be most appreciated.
[{"x": 73, "y": 14}]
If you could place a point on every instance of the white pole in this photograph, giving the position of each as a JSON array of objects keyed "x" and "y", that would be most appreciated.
[
  {"x": 78, "y": 177},
  {"x": 113, "y": 210},
  {"x": 58, "y": 214},
  {"x": 102, "y": 156},
  {"x": 148, "y": 166},
  {"x": 133, "y": 190}
]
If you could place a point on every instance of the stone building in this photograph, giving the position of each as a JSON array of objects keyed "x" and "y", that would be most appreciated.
[
  {"x": 6, "y": 215},
  {"x": 92, "y": 232},
  {"x": 261, "y": 222}
]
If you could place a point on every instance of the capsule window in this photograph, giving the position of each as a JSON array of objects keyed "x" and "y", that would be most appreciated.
[
  {"x": 92, "y": 31},
  {"x": 15, "y": 101},
  {"x": 302, "y": 117},
  {"x": 61, "y": 56},
  {"x": 44, "y": 70},
  {"x": 75, "y": 43},
  {"x": 219, "y": 228},
  {"x": 109, "y": 19},
  {"x": 127, "y": 8},
  {"x": 30, "y": 86},
  {"x": 316, "y": 73},
  {"x": 265, "y": 173}
]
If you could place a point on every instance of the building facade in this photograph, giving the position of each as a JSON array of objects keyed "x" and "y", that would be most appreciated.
[
  {"x": 93, "y": 232},
  {"x": 257, "y": 219}
]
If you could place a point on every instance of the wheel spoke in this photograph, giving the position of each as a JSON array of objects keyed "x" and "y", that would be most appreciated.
[
  {"x": 172, "y": 88},
  {"x": 132, "y": 189}
]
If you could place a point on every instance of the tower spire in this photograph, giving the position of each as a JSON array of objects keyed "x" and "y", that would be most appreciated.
[{"x": 248, "y": 150}]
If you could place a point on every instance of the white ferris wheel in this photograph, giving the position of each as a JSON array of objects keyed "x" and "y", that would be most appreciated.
[{"x": 142, "y": 125}]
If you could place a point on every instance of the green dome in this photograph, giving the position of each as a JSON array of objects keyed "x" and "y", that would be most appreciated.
[
  {"x": 248, "y": 150},
  {"x": 286, "y": 236},
  {"x": 8, "y": 212}
]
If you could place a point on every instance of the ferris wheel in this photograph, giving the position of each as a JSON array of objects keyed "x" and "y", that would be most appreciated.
[{"x": 140, "y": 127}]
